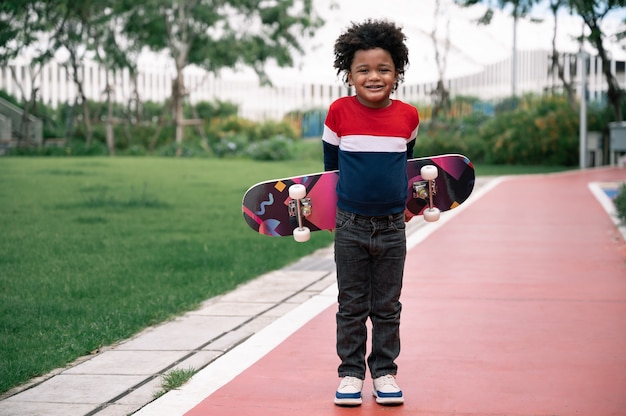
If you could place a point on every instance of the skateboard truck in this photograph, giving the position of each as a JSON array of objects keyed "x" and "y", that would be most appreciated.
[
  {"x": 300, "y": 207},
  {"x": 426, "y": 189}
]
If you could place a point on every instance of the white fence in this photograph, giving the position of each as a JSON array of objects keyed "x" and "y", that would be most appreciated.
[{"x": 257, "y": 102}]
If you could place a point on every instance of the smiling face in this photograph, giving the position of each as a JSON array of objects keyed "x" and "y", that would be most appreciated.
[{"x": 374, "y": 76}]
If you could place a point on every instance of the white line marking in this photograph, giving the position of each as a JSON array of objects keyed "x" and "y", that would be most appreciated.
[
  {"x": 224, "y": 369},
  {"x": 236, "y": 361},
  {"x": 427, "y": 229},
  {"x": 607, "y": 204}
]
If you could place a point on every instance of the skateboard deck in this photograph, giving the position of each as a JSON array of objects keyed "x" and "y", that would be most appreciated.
[{"x": 269, "y": 209}]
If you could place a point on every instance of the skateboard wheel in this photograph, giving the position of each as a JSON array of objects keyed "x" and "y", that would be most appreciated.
[
  {"x": 301, "y": 234},
  {"x": 432, "y": 214},
  {"x": 297, "y": 191},
  {"x": 429, "y": 172}
]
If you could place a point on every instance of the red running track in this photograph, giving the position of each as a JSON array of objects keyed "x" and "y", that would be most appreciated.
[{"x": 516, "y": 306}]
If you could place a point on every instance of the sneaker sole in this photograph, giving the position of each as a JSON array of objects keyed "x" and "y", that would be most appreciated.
[
  {"x": 389, "y": 401},
  {"x": 348, "y": 402}
]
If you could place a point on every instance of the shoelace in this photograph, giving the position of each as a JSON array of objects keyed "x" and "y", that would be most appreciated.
[
  {"x": 350, "y": 381},
  {"x": 387, "y": 380}
]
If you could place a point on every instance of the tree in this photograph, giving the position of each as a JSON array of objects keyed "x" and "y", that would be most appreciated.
[
  {"x": 44, "y": 28},
  {"x": 592, "y": 13},
  {"x": 557, "y": 65},
  {"x": 520, "y": 9},
  {"x": 116, "y": 52},
  {"x": 26, "y": 30},
  {"x": 214, "y": 34},
  {"x": 441, "y": 95},
  {"x": 77, "y": 34}
]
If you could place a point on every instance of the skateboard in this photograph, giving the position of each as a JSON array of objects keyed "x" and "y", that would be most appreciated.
[{"x": 298, "y": 205}]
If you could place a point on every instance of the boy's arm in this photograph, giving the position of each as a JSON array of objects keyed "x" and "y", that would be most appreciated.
[
  {"x": 409, "y": 155},
  {"x": 331, "y": 159},
  {"x": 331, "y": 156},
  {"x": 409, "y": 149}
]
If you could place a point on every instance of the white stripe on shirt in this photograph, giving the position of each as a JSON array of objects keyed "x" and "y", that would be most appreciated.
[{"x": 379, "y": 144}]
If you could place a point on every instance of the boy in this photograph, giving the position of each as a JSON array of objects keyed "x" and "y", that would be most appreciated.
[{"x": 369, "y": 138}]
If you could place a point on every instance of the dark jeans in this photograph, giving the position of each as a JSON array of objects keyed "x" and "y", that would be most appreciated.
[{"x": 370, "y": 254}]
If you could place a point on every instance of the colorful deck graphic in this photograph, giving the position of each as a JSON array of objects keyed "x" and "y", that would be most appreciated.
[{"x": 265, "y": 205}]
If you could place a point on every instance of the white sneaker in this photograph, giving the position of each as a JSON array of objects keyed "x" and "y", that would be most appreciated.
[
  {"x": 349, "y": 392},
  {"x": 386, "y": 391}
]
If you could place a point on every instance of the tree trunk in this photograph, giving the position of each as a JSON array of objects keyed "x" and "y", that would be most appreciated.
[
  {"x": 179, "y": 117},
  {"x": 25, "y": 133},
  {"x": 28, "y": 103},
  {"x": 86, "y": 119},
  {"x": 614, "y": 92},
  {"x": 440, "y": 94},
  {"x": 557, "y": 65},
  {"x": 159, "y": 129},
  {"x": 81, "y": 95},
  {"x": 110, "y": 135},
  {"x": 200, "y": 130}
]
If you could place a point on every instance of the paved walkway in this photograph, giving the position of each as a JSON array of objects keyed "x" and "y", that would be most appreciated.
[{"x": 514, "y": 304}]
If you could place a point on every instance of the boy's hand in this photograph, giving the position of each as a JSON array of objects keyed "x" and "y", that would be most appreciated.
[{"x": 408, "y": 215}]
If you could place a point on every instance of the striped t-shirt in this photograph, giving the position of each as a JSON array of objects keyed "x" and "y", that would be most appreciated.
[{"x": 370, "y": 148}]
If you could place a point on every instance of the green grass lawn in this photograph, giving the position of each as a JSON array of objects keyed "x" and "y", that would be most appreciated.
[{"x": 94, "y": 250}]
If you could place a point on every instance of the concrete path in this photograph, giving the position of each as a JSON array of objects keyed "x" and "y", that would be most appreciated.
[{"x": 514, "y": 304}]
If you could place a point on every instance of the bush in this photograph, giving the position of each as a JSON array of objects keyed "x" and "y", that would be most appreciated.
[
  {"x": 220, "y": 130},
  {"x": 451, "y": 136},
  {"x": 74, "y": 148},
  {"x": 231, "y": 145},
  {"x": 235, "y": 136},
  {"x": 311, "y": 149},
  {"x": 530, "y": 130},
  {"x": 188, "y": 149},
  {"x": 79, "y": 148},
  {"x": 543, "y": 134},
  {"x": 620, "y": 203},
  {"x": 276, "y": 148},
  {"x": 270, "y": 129},
  {"x": 218, "y": 109},
  {"x": 135, "y": 150}
]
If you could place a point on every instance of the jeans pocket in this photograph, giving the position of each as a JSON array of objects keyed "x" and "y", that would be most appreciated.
[
  {"x": 343, "y": 219},
  {"x": 399, "y": 224},
  {"x": 342, "y": 223}
]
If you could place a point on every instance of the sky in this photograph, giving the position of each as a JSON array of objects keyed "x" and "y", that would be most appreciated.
[{"x": 472, "y": 46}]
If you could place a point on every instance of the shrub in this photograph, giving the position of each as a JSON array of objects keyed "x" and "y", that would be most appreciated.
[
  {"x": 452, "y": 136},
  {"x": 231, "y": 145},
  {"x": 218, "y": 109},
  {"x": 218, "y": 129},
  {"x": 188, "y": 149},
  {"x": 79, "y": 148},
  {"x": 276, "y": 148},
  {"x": 74, "y": 148},
  {"x": 620, "y": 203},
  {"x": 543, "y": 134},
  {"x": 270, "y": 129},
  {"x": 437, "y": 141},
  {"x": 135, "y": 150},
  {"x": 311, "y": 149}
]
